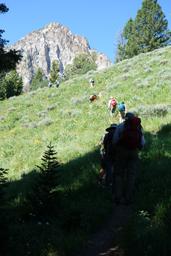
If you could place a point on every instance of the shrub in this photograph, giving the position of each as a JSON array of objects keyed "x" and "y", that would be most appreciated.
[{"x": 152, "y": 110}]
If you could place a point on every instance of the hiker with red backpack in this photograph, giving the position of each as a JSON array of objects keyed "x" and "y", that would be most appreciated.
[
  {"x": 112, "y": 104},
  {"x": 128, "y": 139}
]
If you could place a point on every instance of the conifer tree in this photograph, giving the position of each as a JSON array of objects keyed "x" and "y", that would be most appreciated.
[
  {"x": 151, "y": 27},
  {"x": 54, "y": 72},
  {"x": 43, "y": 195},
  {"x": 8, "y": 59},
  {"x": 37, "y": 81},
  {"x": 149, "y": 31},
  {"x": 12, "y": 84},
  {"x": 126, "y": 44}
]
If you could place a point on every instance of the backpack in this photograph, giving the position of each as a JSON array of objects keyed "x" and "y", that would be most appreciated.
[
  {"x": 107, "y": 142},
  {"x": 93, "y": 97},
  {"x": 132, "y": 134},
  {"x": 121, "y": 107},
  {"x": 113, "y": 103}
]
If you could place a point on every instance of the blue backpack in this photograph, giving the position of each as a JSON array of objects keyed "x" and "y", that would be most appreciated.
[{"x": 121, "y": 107}]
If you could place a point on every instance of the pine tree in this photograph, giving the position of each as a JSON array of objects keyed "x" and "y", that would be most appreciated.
[
  {"x": 8, "y": 59},
  {"x": 54, "y": 72},
  {"x": 151, "y": 27},
  {"x": 12, "y": 84},
  {"x": 126, "y": 44},
  {"x": 131, "y": 47},
  {"x": 149, "y": 31},
  {"x": 37, "y": 81},
  {"x": 43, "y": 196}
]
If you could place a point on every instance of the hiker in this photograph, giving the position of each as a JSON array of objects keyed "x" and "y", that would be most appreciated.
[
  {"x": 129, "y": 139},
  {"x": 112, "y": 105},
  {"x": 121, "y": 109},
  {"x": 91, "y": 82},
  {"x": 107, "y": 153},
  {"x": 93, "y": 97}
]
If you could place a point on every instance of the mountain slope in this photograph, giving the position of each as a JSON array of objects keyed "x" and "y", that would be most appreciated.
[{"x": 65, "y": 117}]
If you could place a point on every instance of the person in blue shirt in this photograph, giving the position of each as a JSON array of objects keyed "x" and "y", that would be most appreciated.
[{"x": 122, "y": 110}]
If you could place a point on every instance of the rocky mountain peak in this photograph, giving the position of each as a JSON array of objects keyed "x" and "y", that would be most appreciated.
[{"x": 53, "y": 42}]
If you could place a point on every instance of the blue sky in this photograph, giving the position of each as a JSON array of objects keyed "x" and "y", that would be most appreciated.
[{"x": 100, "y": 21}]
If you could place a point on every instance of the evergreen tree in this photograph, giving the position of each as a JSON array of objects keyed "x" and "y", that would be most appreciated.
[
  {"x": 8, "y": 59},
  {"x": 131, "y": 47},
  {"x": 151, "y": 27},
  {"x": 43, "y": 196},
  {"x": 54, "y": 72},
  {"x": 121, "y": 53},
  {"x": 2, "y": 87},
  {"x": 38, "y": 80},
  {"x": 147, "y": 32},
  {"x": 12, "y": 84}
]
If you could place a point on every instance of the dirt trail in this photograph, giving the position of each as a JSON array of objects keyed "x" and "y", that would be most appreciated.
[{"x": 104, "y": 243}]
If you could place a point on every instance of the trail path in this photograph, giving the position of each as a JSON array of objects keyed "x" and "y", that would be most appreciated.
[{"x": 105, "y": 242}]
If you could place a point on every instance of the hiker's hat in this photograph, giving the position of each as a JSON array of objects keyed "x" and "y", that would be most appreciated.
[
  {"x": 113, "y": 126},
  {"x": 129, "y": 115}
]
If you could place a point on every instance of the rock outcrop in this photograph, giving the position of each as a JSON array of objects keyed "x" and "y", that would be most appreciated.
[{"x": 53, "y": 42}]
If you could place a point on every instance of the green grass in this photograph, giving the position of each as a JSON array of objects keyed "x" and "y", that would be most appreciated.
[{"x": 65, "y": 117}]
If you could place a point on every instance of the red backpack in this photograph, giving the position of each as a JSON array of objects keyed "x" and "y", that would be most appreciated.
[
  {"x": 113, "y": 103},
  {"x": 132, "y": 134}
]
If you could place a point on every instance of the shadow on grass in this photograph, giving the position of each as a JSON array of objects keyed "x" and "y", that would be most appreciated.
[
  {"x": 148, "y": 233},
  {"x": 82, "y": 207}
]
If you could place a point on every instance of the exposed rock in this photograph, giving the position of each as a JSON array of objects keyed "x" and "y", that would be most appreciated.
[{"x": 53, "y": 42}]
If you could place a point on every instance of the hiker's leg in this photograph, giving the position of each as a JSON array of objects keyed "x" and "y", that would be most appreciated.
[
  {"x": 131, "y": 172},
  {"x": 109, "y": 171},
  {"x": 118, "y": 176},
  {"x": 117, "y": 188},
  {"x": 121, "y": 116}
]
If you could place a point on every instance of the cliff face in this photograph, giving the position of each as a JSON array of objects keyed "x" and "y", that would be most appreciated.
[{"x": 53, "y": 42}]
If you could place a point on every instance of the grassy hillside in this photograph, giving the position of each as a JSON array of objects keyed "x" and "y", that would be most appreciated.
[{"x": 65, "y": 117}]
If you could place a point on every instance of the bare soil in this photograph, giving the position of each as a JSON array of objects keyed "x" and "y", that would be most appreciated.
[{"x": 106, "y": 241}]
